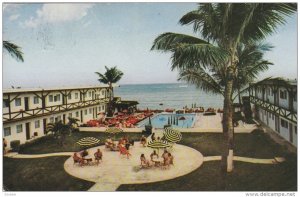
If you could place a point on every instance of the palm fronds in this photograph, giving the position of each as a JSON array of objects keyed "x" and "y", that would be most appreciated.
[{"x": 14, "y": 50}]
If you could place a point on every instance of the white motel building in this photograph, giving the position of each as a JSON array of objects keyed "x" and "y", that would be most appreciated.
[
  {"x": 26, "y": 112},
  {"x": 275, "y": 105}
]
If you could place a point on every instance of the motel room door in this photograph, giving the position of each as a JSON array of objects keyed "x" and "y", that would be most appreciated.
[
  {"x": 45, "y": 125},
  {"x": 27, "y": 130},
  {"x": 26, "y": 103}
]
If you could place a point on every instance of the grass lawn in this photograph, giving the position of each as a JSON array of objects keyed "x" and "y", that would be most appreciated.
[
  {"x": 43, "y": 174},
  {"x": 47, "y": 174},
  {"x": 51, "y": 145}
]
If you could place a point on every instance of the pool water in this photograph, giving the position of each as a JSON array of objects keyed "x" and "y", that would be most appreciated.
[{"x": 175, "y": 120}]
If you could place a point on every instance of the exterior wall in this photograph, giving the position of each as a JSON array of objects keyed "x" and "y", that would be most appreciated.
[
  {"x": 269, "y": 95},
  {"x": 51, "y": 118},
  {"x": 88, "y": 112},
  {"x": 288, "y": 132},
  {"x": 283, "y": 102}
]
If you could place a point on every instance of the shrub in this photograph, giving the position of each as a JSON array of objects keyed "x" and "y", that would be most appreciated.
[
  {"x": 15, "y": 145},
  {"x": 35, "y": 141}
]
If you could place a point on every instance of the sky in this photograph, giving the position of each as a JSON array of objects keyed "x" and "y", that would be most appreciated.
[{"x": 64, "y": 44}]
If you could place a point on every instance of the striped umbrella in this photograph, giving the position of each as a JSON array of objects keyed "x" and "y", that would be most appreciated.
[
  {"x": 158, "y": 144},
  {"x": 172, "y": 135},
  {"x": 113, "y": 130},
  {"x": 88, "y": 141}
]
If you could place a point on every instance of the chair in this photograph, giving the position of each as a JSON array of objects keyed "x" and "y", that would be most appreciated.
[{"x": 78, "y": 160}]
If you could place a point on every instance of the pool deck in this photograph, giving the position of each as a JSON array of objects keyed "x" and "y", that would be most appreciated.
[{"x": 203, "y": 124}]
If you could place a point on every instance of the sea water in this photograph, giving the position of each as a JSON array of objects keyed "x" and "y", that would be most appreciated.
[{"x": 162, "y": 96}]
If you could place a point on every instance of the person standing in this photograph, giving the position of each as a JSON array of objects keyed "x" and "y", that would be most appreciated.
[{"x": 4, "y": 146}]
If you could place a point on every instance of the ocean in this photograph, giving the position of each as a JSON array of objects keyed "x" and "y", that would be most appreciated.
[{"x": 175, "y": 96}]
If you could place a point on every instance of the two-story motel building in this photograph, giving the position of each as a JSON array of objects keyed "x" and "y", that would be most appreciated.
[
  {"x": 275, "y": 105},
  {"x": 26, "y": 112}
]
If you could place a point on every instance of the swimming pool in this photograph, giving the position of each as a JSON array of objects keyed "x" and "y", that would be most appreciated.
[{"x": 176, "y": 120}]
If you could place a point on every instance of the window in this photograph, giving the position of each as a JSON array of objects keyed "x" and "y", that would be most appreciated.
[
  {"x": 272, "y": 116},
  {"x": 37, "y": 124},
  {"x": 70, "y": 115},
  {"x": 102, "y": 107},
  {"x": 57, "y": 98},
  {"x": 85, "y": 112},
  {"x": 7, "y": 131},
  {"x": 103, "y": 92},
  {"x": 50, "y": 98},
  {"x": 283, "y": 94},
  {"x": 268, "y": 91},
  {"x": 18, "y": 102},
  {"x": 77, "y": 114},
  {"x": 90, "y": 93},
  {"x": 5, "y": 103},
  {"x": 90, "y": 110},
  {"x": 51, "y": 120},
  {"x": 284, "y": 124},
  {"x": 19, "y": 128},
  {"x": 69, "y": 96},
  {"x": 35, "y": 100},
  {"x": 99, "y": 108},
  {"x": 76, "y": 95},
  {"x": 58, "y": 118}
]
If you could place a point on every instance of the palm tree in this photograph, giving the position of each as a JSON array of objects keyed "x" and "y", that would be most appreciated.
[
  {"x": 14, "y": 50},
  {"x": 250, "y": 65},
  {"x": 59, "y": 130},
  {"x": 222, "y": 28},
  {"x": 73, "y": 124},
  {"x": 112, "y": 75}
]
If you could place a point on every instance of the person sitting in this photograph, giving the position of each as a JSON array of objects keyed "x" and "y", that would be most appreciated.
[
  {"x": 143, "y": 140},
  {"x": 153, "y": 154},
  {"x": 170, "y": 160},
  {"x": 78, "y": 159},
  {"x": 165, "y": 156},
  {"x": 98, "y": 155},
  {"x": 144, "y": 162},
  {"x": 108, "y": 142}
]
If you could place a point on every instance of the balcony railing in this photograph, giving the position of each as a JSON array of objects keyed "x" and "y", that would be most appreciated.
[
  {"x": 31, "y": 113},
  {"x": 277, "y": 110}
]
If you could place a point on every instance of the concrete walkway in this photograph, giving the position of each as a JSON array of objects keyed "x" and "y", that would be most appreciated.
[
  {"x": 248, "y": 159},
  {"x": 25, "y": 156},
  {"x": 205, "y": 159}
]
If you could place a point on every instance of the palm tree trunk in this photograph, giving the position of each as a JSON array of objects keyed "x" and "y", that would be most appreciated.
[
  {"x": 228, "y": 130},
  {"x": 110, "y": 106}
]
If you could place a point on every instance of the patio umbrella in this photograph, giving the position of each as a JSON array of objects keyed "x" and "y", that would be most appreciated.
[
  {"x": 172, "y": 135},
  {"x": 113, "y": 130},
  {"x": 88, "y": 141},
  {"x": 158, "y": 144}
]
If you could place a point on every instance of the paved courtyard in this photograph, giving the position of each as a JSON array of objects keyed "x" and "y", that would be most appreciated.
[{"x": 116, "y": 169}]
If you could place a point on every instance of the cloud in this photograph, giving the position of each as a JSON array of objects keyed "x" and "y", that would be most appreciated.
[
  {"x": 58, "y": 13},
  {"x": 14, "y": 17},
  {"x": 11, "y": 7}
]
